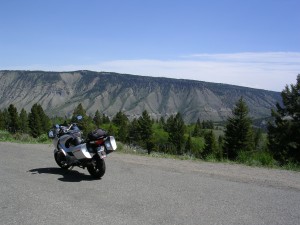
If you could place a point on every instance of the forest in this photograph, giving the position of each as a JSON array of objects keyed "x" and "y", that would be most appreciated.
[{"x": 235, "y": 140}]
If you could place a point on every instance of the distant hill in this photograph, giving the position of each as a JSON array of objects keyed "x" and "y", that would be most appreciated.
[{"x": 60, "y": 92}]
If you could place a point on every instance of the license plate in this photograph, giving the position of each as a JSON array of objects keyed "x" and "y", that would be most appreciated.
[{"x": 101, "y": 152}]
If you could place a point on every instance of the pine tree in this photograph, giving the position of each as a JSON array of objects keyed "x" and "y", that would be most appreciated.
[
  {"x": 86, "y": 123},
  {"x": 210, "y": 147},
  {"x": 2, "y": 122},
  {"x": 6, "y": 119},
  {"x": 238, "y": 132},
  {"x": 162, "y": 121},
  {"x": 284, "y": 133},
  {"x": 121, "y": 121},
  {"x": 197, "y": 129},
  {"x": 188, "y": 145},
  {"x": 39, "y": 122},
  {"x": 145, "y": 131},
  {"x": 45, "y": 121},
  {"x": 97, "y": 119},
  {"x": 13, "y": 119},
  {"x": 208, "y": 124},
  {"x": 133, "y": 132},
  {"x": 105, "y": 119},
  {"x": 35, "y": 122},
  {"x": 24, "y": 127},
  {"x": 79, "y": 111},
  {"x": 175, "y": 127},
  {"x": 220, "y": 147},
  {"x": 257, "y": 138}
]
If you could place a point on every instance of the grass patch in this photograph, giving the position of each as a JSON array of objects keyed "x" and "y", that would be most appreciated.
[
  {"x": 291, "y": 166},
  {"x": 5, "y": 136},
  {"x": 136, "y": 150},
  {"x": 256, "y": 158}
]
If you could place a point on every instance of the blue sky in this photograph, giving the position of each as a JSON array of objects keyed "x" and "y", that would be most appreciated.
[{"x": 253, "y": 43}]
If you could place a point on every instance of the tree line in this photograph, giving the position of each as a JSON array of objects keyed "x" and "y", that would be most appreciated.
[
  {"x": 238, "y": 140},
  {"x": 35, "y": 123}
]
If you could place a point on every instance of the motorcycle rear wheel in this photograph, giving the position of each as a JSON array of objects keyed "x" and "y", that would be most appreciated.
[
  {"x": 97, "y": 168},
  {"x": 61, "y": 160}
]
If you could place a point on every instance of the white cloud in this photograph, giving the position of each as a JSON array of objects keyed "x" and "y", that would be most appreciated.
[
  {"x": 267, "y": 57},
  {"x": 269, "y": 70}
]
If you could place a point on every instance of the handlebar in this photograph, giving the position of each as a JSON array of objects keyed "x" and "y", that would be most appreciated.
[{"x": 65, "y": 129}]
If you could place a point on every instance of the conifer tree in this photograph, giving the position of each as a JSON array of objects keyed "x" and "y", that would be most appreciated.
[
  {"x": 145, "y": 131},
  {"x": 284, "y": 133},
  {"x": 35, "y": 122},
  {"x": 24, "y": 127},
  {"x": 121, "y": 121},
  {"x": 45, "y": 121},
  {"x": 197, "y": 129},
  {"x": 162, "y": 121},
  {"x": 79, "y": 111},
  {"x": 220, "y": 147},
  {"x": 105, "y": 119},
  {"x": 2, "y": 122},
  {"x": 238, "y": 132},
  {"x": 97, "y": 119},
  {"x": 208, "y": 124},
  {"x": 86, "y": 123},
  {"x": 175, "y": 127},
  {"x": 188, "y": 145},
  {"x": 210, "y": 147},
  {"x": 13, "y": 119},
  {"x": 133, "y": 132},
  {"x": 6, "y": 119},
  {"x": 39, "y": 123}
]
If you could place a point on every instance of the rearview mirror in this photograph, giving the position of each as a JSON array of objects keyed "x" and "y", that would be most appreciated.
[{"x": 51, "y": 134}]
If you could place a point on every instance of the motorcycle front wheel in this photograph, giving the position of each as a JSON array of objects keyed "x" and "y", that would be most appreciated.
[
  {"x": 97, "y": 168},
  {"x": 61, "y": 160}
]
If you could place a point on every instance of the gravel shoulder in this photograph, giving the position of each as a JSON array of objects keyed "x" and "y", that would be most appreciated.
[{"x": 233, "y": 172}]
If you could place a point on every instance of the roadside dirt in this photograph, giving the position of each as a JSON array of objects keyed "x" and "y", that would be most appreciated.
[{"x": 234, "y": 172}]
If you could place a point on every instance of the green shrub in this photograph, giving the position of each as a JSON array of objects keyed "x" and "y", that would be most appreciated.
[
  {"x": 212, "y": 158},
  {"x": 43, "y": 138},
  {"x": 198, "y": 144},
  {"x": 257, "y": 158},
  {"x": 291, "y": 166},
  {"x": 5, "y": 136},
  {"x": 23, "y": 138},
  {"x": 265, "y": 158}
]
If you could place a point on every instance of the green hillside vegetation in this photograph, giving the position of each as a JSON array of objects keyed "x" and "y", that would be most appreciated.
[{"x": 236, "y": 140}]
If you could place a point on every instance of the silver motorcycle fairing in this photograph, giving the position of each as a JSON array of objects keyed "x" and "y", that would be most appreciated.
[{"x": 79, "y": 151}]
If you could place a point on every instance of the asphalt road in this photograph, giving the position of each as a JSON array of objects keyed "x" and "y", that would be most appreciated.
[{"x": 142, "y": 190}]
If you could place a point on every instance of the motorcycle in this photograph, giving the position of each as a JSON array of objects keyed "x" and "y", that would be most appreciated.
[{"x": 72, "y": 150}]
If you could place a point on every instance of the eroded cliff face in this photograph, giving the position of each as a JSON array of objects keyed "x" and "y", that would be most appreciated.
[{"x": 59, "y": 93}]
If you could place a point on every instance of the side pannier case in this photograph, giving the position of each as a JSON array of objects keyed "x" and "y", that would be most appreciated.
[{"x": 110, "y": 144}]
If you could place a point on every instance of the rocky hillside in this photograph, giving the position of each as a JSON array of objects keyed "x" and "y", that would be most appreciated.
[{"x": 60, "y": 92}]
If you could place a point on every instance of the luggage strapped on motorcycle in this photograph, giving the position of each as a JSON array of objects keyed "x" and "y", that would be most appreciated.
[{"x": 97, "y": 134}]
